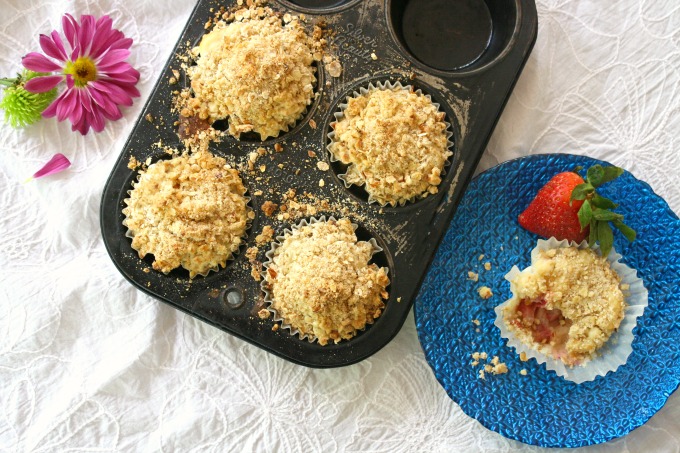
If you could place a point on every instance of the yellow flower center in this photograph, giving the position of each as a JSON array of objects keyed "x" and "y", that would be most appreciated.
[{"x": 83, "y": 70}]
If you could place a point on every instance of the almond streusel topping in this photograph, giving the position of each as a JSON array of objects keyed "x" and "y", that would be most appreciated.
[
  {"x": 257, "y": 71},
  {"x": 188, "y": 211},
  {"x": 322, "y": 283},
  {"x": 583, "y": 287},
  {"x": 395, "y": 143}
]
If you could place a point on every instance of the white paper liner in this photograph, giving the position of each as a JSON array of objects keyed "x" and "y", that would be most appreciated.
[
  {"x": 268, "y": 298},
  {"x": 619, "y": 346},
  {"x": 249, "y": 224},
  {"x": 387, "y": 85}
]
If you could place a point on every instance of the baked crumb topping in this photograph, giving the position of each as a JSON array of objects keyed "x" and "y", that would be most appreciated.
[
  {"x": 495, "y": 367},
  {"x": 322, "y": 283},
  {"x": 257, "y": 71},
  {"x": 485, "y": 292},
  {"x": 568, "y": 304},
  {"x": 395, "y": 144},
  {"x": 188, "y": 211}
]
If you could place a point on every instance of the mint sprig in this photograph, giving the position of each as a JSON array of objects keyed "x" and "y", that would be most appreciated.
[{"x": 596, "y": 210}]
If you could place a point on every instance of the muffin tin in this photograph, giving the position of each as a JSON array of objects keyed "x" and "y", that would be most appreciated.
[{"x": 467, "y": 60}]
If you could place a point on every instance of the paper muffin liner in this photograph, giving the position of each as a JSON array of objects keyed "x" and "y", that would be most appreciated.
[
  {"x": 614, "y": 353},
  {"x": 268, "y": 296},
  {"x": 244, "y": 237},
  {"x": 387, "y": 85}
]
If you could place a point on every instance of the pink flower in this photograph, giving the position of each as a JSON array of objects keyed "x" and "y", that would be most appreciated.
[{"x": 98, "y": 79}]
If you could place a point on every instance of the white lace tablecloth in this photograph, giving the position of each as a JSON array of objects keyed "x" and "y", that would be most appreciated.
[{"x": 88, "y": 363}]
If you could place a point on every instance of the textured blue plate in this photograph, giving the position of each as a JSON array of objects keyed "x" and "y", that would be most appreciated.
[{"x": 542, "y": 408}]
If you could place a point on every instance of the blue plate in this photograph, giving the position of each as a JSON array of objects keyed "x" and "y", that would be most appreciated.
[{"x": 542, "y": 408}]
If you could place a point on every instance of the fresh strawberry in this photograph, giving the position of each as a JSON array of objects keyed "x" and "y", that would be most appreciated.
[
  {"x": 569, "y": 208},
  {"x": 553, "y": 213}
]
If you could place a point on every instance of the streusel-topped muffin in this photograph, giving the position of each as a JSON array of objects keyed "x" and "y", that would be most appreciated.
[
  {"x": 566, "y": 304},
  {"x": 256, "y": 71},
  {"x": 322, "y": 284},
  {"x": 189, "y": 211},
  {"x": 395, "y": 143}
]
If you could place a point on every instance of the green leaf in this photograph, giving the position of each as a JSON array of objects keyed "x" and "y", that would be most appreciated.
[
  {"x": 603, "y": 214},
  {"x": 605, "y": 236},
  {"x": 585, "y": 214},
  {"x": 595, "y": 175},
  {"x": 627, "y": 231},
  {"x": 611, "y": 173},
  {"x": 592, "y": 237},
  {"x": 577, "y": 169},
  {"x": 581, "y": 191},
  {"x": 602, "y": 202}
]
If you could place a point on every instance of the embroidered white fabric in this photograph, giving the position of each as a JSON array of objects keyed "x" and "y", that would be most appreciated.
[{"x": 88, "y": 363}]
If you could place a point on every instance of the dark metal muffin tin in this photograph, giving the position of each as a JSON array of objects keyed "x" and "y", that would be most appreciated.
[{"x": 466, "y": 54}]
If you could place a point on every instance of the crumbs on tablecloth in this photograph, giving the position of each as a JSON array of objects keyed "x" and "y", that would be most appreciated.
[{"x": 473, "y": 276}]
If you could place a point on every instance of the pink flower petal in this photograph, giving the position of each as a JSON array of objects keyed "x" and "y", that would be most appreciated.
[
  {"x": 122, "y": 43},
  {"x": 112, "y": 91},
  {"x": 86, "y": 100},
  {"x": 66, "y": 104},
  {"x": 43, "y": 84},
  {"x": 102, "y": 33},
  {"x": 125, "y": 77},
  {"x": 59, "y": 43},
  {"x": 51, "y": 49},
  {"x": 85, "y": 34},
  {"x": 39, "y": 63},
  {"x": 131, "y": 90},
  {"x": 104, "y": 24},
  {"x": 114, "y": 69},
  {"x": 76, "y": 52},
  {"x": 68, "y": 24},
  {"x": 113, "y": 57},
  {"x": 105, "y": 106},
  {"x": 58, "y": 163},
  {"x": 77, "y": 112},
  {"x": 82, "y": 126},
  {"x": 51, "y": 110},
  {"x": 97, "y": 121}
]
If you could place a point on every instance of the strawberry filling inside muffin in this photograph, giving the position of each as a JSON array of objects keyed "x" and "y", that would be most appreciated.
[{"x": 546, "y": 326}]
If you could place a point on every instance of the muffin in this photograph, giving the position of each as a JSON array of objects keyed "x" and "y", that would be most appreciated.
[
  {"x": 394, "y": 141},
  {"x": 566, "y": 305},
  {"x": 320, "y": 283},
  {"x": 189, "y": 211},
  {"x": 256, "y": 71}
]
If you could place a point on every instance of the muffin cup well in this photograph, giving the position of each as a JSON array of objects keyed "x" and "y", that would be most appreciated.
[
  {"x": 616, "y": 350},
  {"x": 387, "y": 85},
  {"x": 266, "y": 289}
]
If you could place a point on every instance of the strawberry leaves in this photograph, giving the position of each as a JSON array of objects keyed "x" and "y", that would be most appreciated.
[{"x": 596, "y": 209}]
